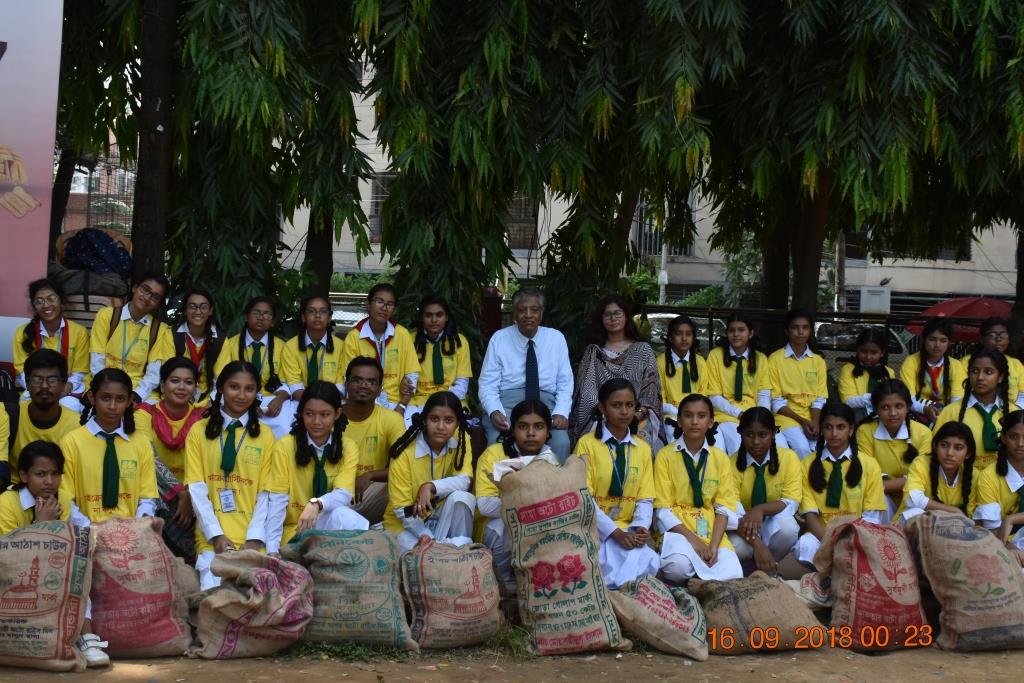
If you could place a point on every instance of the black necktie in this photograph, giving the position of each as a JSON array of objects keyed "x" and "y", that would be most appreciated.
[{"x": 532, "y": 377}]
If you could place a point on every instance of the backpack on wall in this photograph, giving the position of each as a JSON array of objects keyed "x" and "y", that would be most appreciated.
[{"x": 94, "y": 250}]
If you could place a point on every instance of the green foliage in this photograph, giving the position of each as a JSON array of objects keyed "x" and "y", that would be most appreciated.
[
  {"x": 712, "y": 296},
  {"x": 360, "y": 282},
  {"x": 742, "y": 274}
]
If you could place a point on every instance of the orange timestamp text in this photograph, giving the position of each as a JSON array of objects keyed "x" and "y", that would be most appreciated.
[{"x": 813, "y": 637}]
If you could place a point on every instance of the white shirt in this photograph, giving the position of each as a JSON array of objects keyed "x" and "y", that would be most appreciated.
[
  {"x": 790, "y": 353},
  {"x": 504, "y": 368},
  {"x": 183, "y": 328},
  {"x": 882, "y": 433}
]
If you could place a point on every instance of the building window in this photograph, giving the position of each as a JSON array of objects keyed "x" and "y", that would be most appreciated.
[
  {"x": 380, "y": 186},
  {"x": 522, "y": 223},
  {"x": 648, "y": 238}
]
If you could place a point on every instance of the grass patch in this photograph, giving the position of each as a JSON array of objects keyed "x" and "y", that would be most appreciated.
[{"x": 345, "y": 652}]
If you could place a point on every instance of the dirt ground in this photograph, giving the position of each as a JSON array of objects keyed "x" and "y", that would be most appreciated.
[{"x": 817, "y": 666}]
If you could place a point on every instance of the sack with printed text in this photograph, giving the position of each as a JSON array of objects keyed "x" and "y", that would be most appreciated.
[
  {"x": 550, "y": 518},
  {"x": 45, "y": 575},
  {"x": 669, "y": 619}
]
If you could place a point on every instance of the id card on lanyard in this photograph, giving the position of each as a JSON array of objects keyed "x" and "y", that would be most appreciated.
[
  {"x": 702, "y": 524},
  {"x": 227, "y": 495},
  {"x": 126, "y": 348}
]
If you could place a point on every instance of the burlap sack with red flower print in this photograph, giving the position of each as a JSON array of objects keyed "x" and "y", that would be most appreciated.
[
  {"x": 874, "y": 582},
  {"x": 974, "y": 578},
  {"x": 549, "y": 515}
]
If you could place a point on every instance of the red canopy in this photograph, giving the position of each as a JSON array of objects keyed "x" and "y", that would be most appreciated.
[{"x": 978, "y": 307}]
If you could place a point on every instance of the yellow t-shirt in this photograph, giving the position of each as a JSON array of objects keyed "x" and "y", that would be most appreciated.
[
  {"x": 957, "y": 375},
  {"x": 287, "y": 477},
  {"x": 484, "y": 486},
  {"x": 672, "y": 391},
  {"x": 12, "y": 516},
  {"x": 295, "y": 363},
  {"x": 374, "y": 437},
  {"x": 973, "y": 419},
  {"x": 173, "y": 459},
  {"x": 919, "y": 479},
  {"x": 78, "y": 347},
  {"x": 83, "y": 473},
  {"x": 399, "y": 358},
  {"x": 5, "y": 435},
  {"x": 455, "y": 366},
  {"x": 786, "y": 483},
  {"x": 993, "y": 488},
  {"x": 252, "y": 474},
  {"x": 866, "y": 495},
  {"x": 639, "y": 484},
  {"x": 128, "y": 347},
  {"x": 850, "y": 386},
  {"x": 721, "y": 381},
  {"x": 409, "y": 472},
  {"x": 1016, "y": 378},
  {"x": 672, "y": 488},
  {"x": 229, "y": 353},
  {"x": 29, "y": 432},
  {"x": 800, "y": 382},
  {"x": 888, "y": 453}
]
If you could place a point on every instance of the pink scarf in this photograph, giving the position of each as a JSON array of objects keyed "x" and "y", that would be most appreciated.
[{"x": 162, "y": 425}]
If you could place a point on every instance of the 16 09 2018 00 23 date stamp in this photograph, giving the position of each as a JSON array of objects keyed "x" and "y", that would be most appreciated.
[{"x": 814, "y": 637}]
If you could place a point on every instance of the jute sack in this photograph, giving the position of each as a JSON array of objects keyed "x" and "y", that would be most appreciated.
[
  {"x": 669, "y": 619},
  {"x": 262, "y": 607},
  {"x": 755, "y": 602},
  {"x": 139, "y": 604},
  {"x": 357, "y": 592},
  {"x": 563, "y": 601},
  {"x": 45, "y": 575},
  {"x": 977, "y": 583},
  {"x": 452, "y": 594},
  {"x": 874, "y": 583}
]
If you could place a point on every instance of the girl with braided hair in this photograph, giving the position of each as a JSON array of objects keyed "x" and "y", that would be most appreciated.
[
  {"x": 945, "y": 480},
  {"x": 1000, "y": 495},
  {"x": 934, "y": 377}
]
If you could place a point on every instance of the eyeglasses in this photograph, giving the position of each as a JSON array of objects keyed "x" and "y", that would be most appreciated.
[
  {"x": 51, "y": 300},
  {"x": 262, "y": 315},
  {"x": 614, "y": 315},
  {"x": 318, "y": 312},
  {"x": 997, "y": 336},
  {"x": 197, "y": 308},
  {"x": 147, "y": 292},
  {"x": 383, "y": 303},
  {"x": 50, "y": 381},
  {"x": 363, "y": 382}
]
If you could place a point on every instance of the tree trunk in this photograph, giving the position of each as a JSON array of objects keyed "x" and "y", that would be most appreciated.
[
  {"x": 320, "y": 249},
  {"x": 59, "y": 197},
  {"x": 152, "y": 187},
  {"x": 775, "y": 269},
  {"x": 1017, "y": 312},
  {"x": 807, "y": 243}
]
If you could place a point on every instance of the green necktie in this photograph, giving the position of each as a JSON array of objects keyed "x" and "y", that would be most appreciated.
[
  {"x": 312, "y": 366},
  {"x": 1020, "y": 499},
  {"x": 872, "y": 381},
  {"x": 738, "y": 389},
  {"x": 694, "y": 473},
  {"x": 834, "y": 496},
  {"x": 257, "y": 357},
  {"x": 438, "y": 365},
  {"x": 687, "y": 388},
  {"x": 619, "y": 474},
  {"x": 111, "y": 473},
  {"x": 229, "y": 451},
  {"x": 320, "y": 474},
  {"x": 989, "y": 432},
  {"x": 759, "y": 496}
]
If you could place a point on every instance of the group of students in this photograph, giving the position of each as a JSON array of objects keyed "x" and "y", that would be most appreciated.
[{"x": 257, "y": 439}]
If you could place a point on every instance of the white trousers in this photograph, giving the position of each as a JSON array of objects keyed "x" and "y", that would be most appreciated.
[
  {"x": 452, "y": 524},
  {"x": 620, "y": 566},
  {"x": 282, "y": 424},
  {"x": 496, "y": 539},
  {"x": 680, "y": 562},
  {"x": 728, "y": 437},
  {"x": 780, "y": 538},
  {"x": 797, "y": 441}
]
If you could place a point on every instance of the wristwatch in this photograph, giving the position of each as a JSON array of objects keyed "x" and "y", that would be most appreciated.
[{"x": 316, "y": 501}]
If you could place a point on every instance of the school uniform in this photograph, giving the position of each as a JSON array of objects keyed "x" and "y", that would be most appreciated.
[
  {"x": 680, "y": 385},
  {"x": 128, "y": 348},
  {"x": 71, "y": 341},
  {"x": 394, "y": 351},
  {"x": 734, "y": 389},
  {"x": 301, "y": 368},
  {"x": 292, "y": 487},
  {"x": 874, "y": 441},
  {"x": 29, "y": 431},
  {"x": 918, "y": 490},
  {"x": 203, "y": 354},
  {"x": 620, "y": 477},
  {"x": 674, "y": 505},
  {"x": 866, "y": 499},
  {"x": 173, "y": 454},
  {"x": 84, "y": 452},
  {"x": 801, "y": 383},
  {"x": 1016, "y": 380},
  {"x": 5, "y": 455},
  {"x": 856, "y": 391},
  {"x": 452, "y": 519},
  {"x": 17, "y": 510},
  {"x": 933, "y": 387},
  {"x": 441, "y": 372},
  {"x": 999, "y": 497},
  {"x": 232, "y": 504},
  {"x": 779, "y": 531},
  {"x": 985, "y": 455},
  {"x": 257, "y": 352},
  {"x": 374, "y": 437}
]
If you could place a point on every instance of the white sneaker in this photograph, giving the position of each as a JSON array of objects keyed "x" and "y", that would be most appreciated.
[{"x": 90, "y": 645}]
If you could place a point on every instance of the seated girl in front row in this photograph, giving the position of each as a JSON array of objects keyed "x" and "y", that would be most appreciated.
[
  {"x": 1000, "y": 494},
  {"x": 621, "y": 480},
  {"x": 39, "y": 498},
  {"x": 314, "y": 471},
  {"x": 429, "y": 477},
  {"x": 695, "y": 499},
  {"x": 769, "y": 486},
  {"x": 944, "y": 480},
  {"x": 837, "y": 481},
  {"x": 531, "y": 427}
]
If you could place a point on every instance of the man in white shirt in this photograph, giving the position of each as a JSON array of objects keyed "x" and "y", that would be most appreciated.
[{"x": 524, "y": 361}]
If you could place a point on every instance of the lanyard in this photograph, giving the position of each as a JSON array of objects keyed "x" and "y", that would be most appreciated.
[
  {"x": 430, "y": 454},
  {"x": 126, "y": 348},
  {"x": 62, "y": 341},
  {"x": 238, "y": 448}
]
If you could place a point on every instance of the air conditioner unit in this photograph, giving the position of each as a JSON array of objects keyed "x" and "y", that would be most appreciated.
[{"x": 876, "y": 300}]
